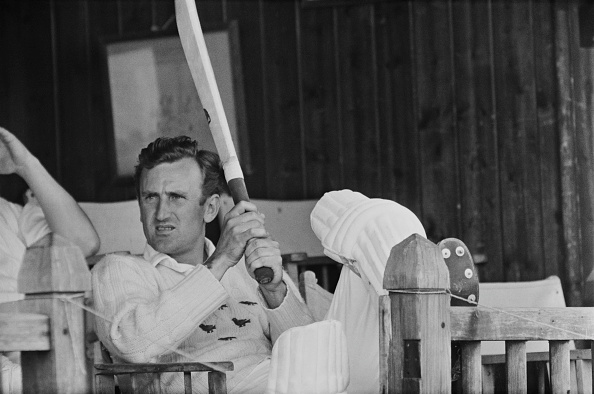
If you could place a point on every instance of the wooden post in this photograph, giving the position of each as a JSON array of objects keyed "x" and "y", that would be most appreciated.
[
  {"x": 48, "y": 276},
  {"x": 417, "y": 278}
]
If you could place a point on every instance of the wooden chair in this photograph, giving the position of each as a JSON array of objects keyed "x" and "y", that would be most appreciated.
[
  {"x": 52, "y": 331},
  {"x": 289, "y": 224},
  {"x": 120, "y": 231}
]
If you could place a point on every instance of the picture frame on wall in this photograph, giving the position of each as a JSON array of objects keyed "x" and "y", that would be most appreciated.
[{"x": 150, "y": 93}]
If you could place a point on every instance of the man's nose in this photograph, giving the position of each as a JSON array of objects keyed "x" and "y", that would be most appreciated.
[{"x": 163, "y": 209}]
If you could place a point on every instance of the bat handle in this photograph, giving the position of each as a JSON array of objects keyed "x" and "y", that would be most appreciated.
[{"x": 239, "y": 193}]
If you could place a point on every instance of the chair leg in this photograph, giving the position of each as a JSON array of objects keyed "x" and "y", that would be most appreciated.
[
  {"x": 187, "y": 383},
  {"x": 583, "y": 371},
  {"x": 104, "y": 384},
  {"x": 217, "y": 383},
  {"x": 488, "y": 379}
]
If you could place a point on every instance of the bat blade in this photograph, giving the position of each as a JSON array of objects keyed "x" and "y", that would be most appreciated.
[{"x": 192, "y": 39}]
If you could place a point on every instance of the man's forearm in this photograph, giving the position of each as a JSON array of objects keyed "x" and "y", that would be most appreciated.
[{"x": 63, "y": 214}]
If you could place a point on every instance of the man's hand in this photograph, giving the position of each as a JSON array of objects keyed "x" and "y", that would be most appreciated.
[
  {"x": 14, "y": 156},
  {"x": 242, "y": 223},
  {"x": 264, "y": 252}
]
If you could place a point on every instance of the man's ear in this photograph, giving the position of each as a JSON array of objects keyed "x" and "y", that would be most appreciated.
[{"x": 211, "y": 207}]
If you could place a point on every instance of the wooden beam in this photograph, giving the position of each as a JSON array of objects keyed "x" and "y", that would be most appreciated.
[
  {"x": 514, "y": 324},
  {"x": 24, "y": 332}
]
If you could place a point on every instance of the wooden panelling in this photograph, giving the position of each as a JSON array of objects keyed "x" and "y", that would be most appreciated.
[
  {"x": 518, "y": 140},
  {"x": 399, "y": 140},
  {"x": 477, "y": 136},
  {"x": 435, "y": 119},
  {"x": 359, "y": 155},
  {"x": 73, "y": 80},
  {"x": 476, "y": 115},
  {"x": 548, "y": 136},
  {"x": 28, "y": 84},
  {"x": 284, "y": 172},
  {"x": 249, "y": 19},
  {"x": 319, "y": 83}
]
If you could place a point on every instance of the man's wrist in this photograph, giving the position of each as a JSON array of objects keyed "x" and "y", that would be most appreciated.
[
  {"x": 274, "y": 296},
  {"x": 217, "y": 265},
  {"x": 29, "y": 168}
]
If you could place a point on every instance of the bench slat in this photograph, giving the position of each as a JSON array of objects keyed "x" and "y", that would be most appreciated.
[
  {"x": 519, "y": 324},
  {"x": 24, "y": 332},
  {"x": 515, "y": 355}
]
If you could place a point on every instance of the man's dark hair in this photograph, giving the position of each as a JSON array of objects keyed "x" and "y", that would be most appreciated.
[{"x": 172, "y": 149}]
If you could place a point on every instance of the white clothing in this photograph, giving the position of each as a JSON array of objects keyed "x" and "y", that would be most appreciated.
[{"x": 20, "y": 227}]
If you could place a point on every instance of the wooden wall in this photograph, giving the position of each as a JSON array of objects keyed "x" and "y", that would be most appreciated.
[{"x": 477, "y": 115}]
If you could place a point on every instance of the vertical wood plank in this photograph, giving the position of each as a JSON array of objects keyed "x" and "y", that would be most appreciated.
[
  {"x": 281, "y": 94},
  {"x": 385, "y": 339},
  {"x": 584, "y": 63},
  {"x": 249, "y": 20},
  {"x": 27, "y": 85},
  {"x": 217, "y": 382},
  {"x": 187, "y": 383},
  {"x": 471, "y": 367},
  {"x": 565, "y": 52},
  {"x": 548, "y": 126},
  {"x": 211, "y": 12},
  {"x": 399, "y": 161},
  {"x": 585, "y": 153},
  {"x": 559, "y": 359},
  {"x": 520, "y": 154},
  {"x": 74, "y": 84},
  {"x": 357, "y": 112},
  {"x": 478, "y": 148},
  {"x": 135, "y": 16},
  {"x": 103, "y": 23},
  {"x": 435, "y": 119},
  {"x": 515, "y": 366},
  {"x": 318, "y": 84}
]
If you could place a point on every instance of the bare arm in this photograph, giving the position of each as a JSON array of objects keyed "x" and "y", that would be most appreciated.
[{"x": 63, "y": 214}]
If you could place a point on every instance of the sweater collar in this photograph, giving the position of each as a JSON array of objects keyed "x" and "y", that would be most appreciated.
[{"x": 156, "y": 258}]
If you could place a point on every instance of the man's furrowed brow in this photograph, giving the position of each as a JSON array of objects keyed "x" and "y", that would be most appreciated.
[
  {"x": 182, "y": 193},
  {"x": 148, "y": 194}
]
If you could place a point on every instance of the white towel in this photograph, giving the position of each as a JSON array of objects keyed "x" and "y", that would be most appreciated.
[{"x": 360, "y": 233}]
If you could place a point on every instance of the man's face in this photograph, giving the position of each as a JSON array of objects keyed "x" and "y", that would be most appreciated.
[{"x": 170, "y": 210}]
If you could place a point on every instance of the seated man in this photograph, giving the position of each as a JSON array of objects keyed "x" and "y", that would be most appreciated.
[
  {"x": 49, "y": 209},
  {"x": 184, "y": 299}
]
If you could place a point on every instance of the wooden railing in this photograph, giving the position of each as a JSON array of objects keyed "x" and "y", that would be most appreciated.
[
  {"x": 423, "y": 325},
  {"x": 47, "y": 326},
  {"x": 416, "y": 334}
]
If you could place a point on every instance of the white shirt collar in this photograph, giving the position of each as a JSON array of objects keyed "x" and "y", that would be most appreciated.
[{"x": 156, "y": 258}]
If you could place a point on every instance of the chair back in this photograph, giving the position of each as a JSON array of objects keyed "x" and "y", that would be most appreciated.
[
  {"x": 117, "y": 224},
  {"x": 288, "y": 222},
  {"x": 531, "y": 294}
]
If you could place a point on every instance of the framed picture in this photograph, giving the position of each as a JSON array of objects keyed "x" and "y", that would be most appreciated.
[{"x": 151, "y": 93}]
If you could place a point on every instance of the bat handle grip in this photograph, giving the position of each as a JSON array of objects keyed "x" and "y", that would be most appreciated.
[{"x": 239, "y": 193}]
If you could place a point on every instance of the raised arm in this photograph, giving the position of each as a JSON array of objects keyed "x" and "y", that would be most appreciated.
[{"x": 62, "y": 213}]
